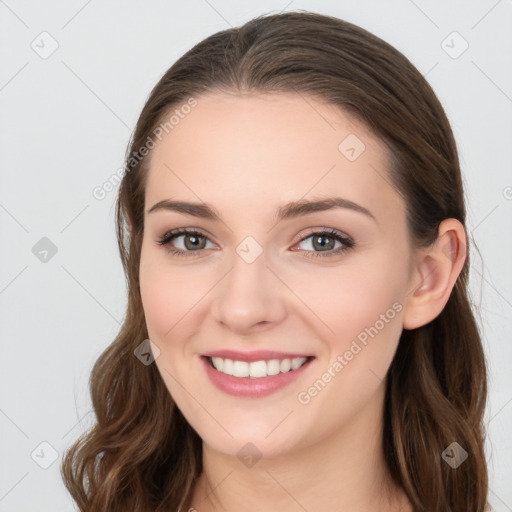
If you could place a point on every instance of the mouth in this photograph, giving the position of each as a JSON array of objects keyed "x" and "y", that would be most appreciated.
[{"x": 257, "y": 369}]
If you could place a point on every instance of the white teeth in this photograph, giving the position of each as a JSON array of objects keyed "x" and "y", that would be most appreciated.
[
  {"x": 240, "y": 369},
  {"x": 297, "y": 362},
  {"x": 227, "y": 366},
  {"x": 257, "y": 369},
  {"x": 273, "y": 367},
  {"x": 286, "y": 364},
  {"x": 218, "y": 362}
]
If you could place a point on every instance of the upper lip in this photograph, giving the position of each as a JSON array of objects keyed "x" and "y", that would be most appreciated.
[{"x": 256, "y": 355}]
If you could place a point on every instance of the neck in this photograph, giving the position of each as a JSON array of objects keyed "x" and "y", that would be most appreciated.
[{"x": 345, "y": 471}]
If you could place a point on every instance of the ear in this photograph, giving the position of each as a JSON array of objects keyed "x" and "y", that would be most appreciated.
[{"x": 435, "y": 272}]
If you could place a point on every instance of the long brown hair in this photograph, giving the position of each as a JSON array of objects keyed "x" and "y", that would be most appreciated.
[{"x": 142, "y": 454}]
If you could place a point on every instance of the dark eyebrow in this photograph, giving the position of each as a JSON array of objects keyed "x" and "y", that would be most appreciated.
[{"x": 288, "y": 211}]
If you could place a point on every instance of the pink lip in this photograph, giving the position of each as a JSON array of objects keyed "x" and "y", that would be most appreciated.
[
  {"x": 250, "y": 387},
  {"x": 256, "y": 355}
]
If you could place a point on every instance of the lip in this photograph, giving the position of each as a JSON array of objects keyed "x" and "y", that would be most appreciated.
[
  {"x": 255, "y": 355},
  {"x": 250, "y": 387}
]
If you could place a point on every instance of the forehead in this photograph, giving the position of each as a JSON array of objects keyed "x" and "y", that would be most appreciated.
[{"x": 232, "y": 150}]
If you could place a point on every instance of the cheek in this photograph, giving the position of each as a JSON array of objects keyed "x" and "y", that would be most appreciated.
[
  {"x": 174, "y": 299},
  {"x": 163, "y": 295},
  {"x": 167, "y": 305},
  {"x": 361, "y": 304},
  {"x": 353, "y": 297},
  {"x": 364, "y": 312}
]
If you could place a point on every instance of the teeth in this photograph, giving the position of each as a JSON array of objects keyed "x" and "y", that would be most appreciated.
[
  {"x": 218, "y": 362},
  {"x": 240, "y": 369},
  {"x": 257, "y": 369},
  {"x": 286, "y": 364}
]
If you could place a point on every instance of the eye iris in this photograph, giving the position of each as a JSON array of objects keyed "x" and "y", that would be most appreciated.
[
  {"x": 194, "y": 245},
  {"x": 323, "y": 245}
]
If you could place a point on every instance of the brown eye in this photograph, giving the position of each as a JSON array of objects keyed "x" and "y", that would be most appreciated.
[
  {"x": 325, "y": 242},
  {"x": 192, "y": 241}
]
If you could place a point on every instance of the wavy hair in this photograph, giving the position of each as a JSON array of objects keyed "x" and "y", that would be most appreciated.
[{"x": 142, "y": 454}]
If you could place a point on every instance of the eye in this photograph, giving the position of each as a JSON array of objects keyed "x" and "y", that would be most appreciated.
[
  {"x": 194, "y": 241},
  {"x": 325, "y": 241}
]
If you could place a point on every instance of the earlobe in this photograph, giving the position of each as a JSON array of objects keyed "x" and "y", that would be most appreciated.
[{"x": 435, "y": 273}]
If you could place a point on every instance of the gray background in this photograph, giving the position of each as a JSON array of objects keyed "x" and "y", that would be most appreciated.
[{"x": 65, "y": 122}]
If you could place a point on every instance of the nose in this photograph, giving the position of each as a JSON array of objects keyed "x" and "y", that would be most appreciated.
[{"x": 250, "y": 298}]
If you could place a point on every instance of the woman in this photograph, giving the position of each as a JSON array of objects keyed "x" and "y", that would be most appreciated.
[{"x": 298, "y": 334}]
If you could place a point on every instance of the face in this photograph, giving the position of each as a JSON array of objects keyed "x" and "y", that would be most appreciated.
[{"x": 322, "y": 287}]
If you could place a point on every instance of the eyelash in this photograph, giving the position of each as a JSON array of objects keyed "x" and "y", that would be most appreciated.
[{"x": 347, "y": 242}]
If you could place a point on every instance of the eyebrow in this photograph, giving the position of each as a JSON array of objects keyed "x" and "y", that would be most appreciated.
[{"x": 287, "y": 211}]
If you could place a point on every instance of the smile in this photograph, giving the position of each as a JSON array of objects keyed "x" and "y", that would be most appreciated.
[
  {"x": 256, "y": 369},
  {"x": 257, "y": 378}
]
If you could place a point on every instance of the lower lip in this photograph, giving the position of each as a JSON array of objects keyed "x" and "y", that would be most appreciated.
[{"x": 252, "y": 387}]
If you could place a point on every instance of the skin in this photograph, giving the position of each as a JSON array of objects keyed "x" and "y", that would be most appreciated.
[{"x": 246, "y": 155}]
